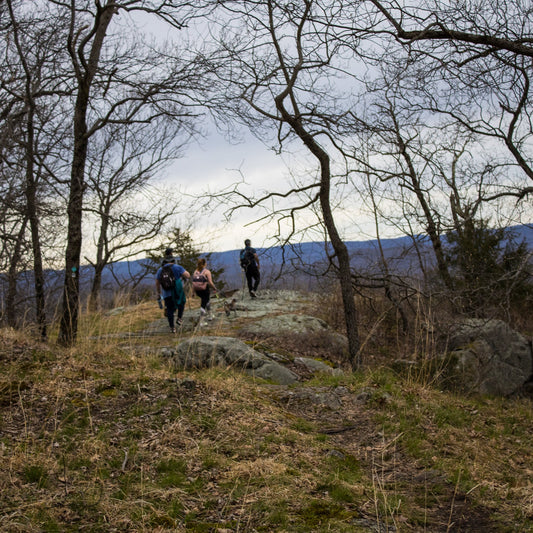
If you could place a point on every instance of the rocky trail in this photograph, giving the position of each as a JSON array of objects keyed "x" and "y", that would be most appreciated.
[
  {"x": 346, "y": 417},
  {"x": 140, "y": 429}
]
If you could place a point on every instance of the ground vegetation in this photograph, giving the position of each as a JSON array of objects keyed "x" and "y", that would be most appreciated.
[{"x": 109, "y": 435}]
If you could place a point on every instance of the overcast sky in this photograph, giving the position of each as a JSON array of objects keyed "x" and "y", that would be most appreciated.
[{"x": 213, "y": 165}]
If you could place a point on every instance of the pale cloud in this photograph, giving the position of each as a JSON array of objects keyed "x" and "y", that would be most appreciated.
[{"x": 215, "y": 165}]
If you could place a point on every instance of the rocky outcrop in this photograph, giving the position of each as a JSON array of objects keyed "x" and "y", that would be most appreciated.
[
  {"x": 206, "y": 351},
  {"x": 273, "y": 313},
  {"x": 488, "y": 357},
  {"x": 299, "y": 325}
]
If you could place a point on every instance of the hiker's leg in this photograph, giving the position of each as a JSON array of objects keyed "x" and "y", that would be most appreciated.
[
  {"x": 170, "y": 309},
  {"x": 257, "y": 277},
  {"x": 204, "y": 296},
  {"x": 249, "y": 279},
  {"x": 180, "y": 308}
]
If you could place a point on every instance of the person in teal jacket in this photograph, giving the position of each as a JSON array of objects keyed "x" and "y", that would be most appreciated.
[{"x": 175, "y": 297}]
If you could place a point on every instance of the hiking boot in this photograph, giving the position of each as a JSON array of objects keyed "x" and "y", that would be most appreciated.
[
  {"x": 179, "y": 322},
  {"x": 172, "y": 330},
  {"x": 252, "y": 294}
]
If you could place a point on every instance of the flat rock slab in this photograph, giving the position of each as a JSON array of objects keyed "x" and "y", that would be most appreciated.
[
  {"x": 207, "y": 351},
  {"x": 290, "y": 323},
  {"x": 268, "y": 302},
  {"x": 300, "y": 325}
]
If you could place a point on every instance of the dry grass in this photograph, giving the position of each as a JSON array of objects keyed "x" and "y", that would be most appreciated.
[{"x": 108, "y": 437}]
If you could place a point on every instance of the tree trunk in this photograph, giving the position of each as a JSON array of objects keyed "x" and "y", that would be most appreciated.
[
  {"x": 387, "y": 285},
  {"x": 345, "y": 274},
  {"x": 341, "y": 251},
  {"x": 69, "y": 319},
  {"x": 31, "y": 183},
  {"x": 102, "y": 258},
  {"x": 12, "y": 276},
  {"x": 31, "y": 205},
  {"x": 94, "y": 296}
]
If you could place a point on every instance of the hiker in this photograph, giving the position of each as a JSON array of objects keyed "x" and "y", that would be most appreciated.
[
  {"x": 201, "y": 281},
  {"x": 169, "y": 286},
  {"x": 250, "y": 265}
]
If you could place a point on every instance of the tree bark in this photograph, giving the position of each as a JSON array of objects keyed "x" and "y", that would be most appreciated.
[
  {"x": 343, "y": 257},
  {"x": 31, "y": 202},
  {"x": 70, "y": 311},
  {"x": 341, "y": 251}
]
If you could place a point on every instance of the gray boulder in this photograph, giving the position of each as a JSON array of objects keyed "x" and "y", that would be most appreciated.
[
  {"x": 313, "y": 365},
  {"x": 287, "y": 323},
  {"x": 488, "y": 357},
  {"x": 205, "y": 352},
  {"x": 299, "y": 325},
  {"x": 273, "y": 372}
]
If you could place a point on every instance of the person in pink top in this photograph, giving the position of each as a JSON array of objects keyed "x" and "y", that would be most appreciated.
[{"x": 202, "y": 281}]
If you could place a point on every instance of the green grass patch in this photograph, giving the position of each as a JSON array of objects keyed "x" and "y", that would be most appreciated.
[
  {"x": 172, "y": 472},
  {"x": 36, "y": 474},
  {"x": 321, "y": 512}
]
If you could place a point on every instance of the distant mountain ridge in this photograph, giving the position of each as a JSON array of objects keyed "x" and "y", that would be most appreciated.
[
  {"x": 365, "y": 256},
  {"x": 302, "y": 264},
  {"x": 399, "y": 253}
]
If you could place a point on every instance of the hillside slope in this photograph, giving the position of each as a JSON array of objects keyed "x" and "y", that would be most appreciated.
[{"x": 109, "y": 436}]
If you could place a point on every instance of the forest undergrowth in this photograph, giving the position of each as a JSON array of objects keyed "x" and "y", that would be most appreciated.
[{"x": 108, "y": 436}]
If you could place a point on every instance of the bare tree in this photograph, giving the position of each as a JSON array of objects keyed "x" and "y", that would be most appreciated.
[
  {"x": 280, "y": 71},
  {"x": 31, "y": 56},
  {"x": 435, "y": 171},
  {"x": 475, "y": 60},
  {"x": 114, "y": 84},
  {"x": 405, "y": 159},
  {"x": 13, "y": 221},
  {"x": 126, "y": 208}
]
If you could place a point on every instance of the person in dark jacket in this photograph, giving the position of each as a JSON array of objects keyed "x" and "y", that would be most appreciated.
[{"x": 250, "y": 265}]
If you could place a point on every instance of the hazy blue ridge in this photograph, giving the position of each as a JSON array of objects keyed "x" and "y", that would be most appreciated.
[
  {"x": 365, "y": 256},
  {"x": 307, "y": 259}
]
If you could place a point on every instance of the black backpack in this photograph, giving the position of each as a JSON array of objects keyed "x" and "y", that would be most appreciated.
[
  {"x": 246, "y": 257},
  {"x": 167, "y": 278}
]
